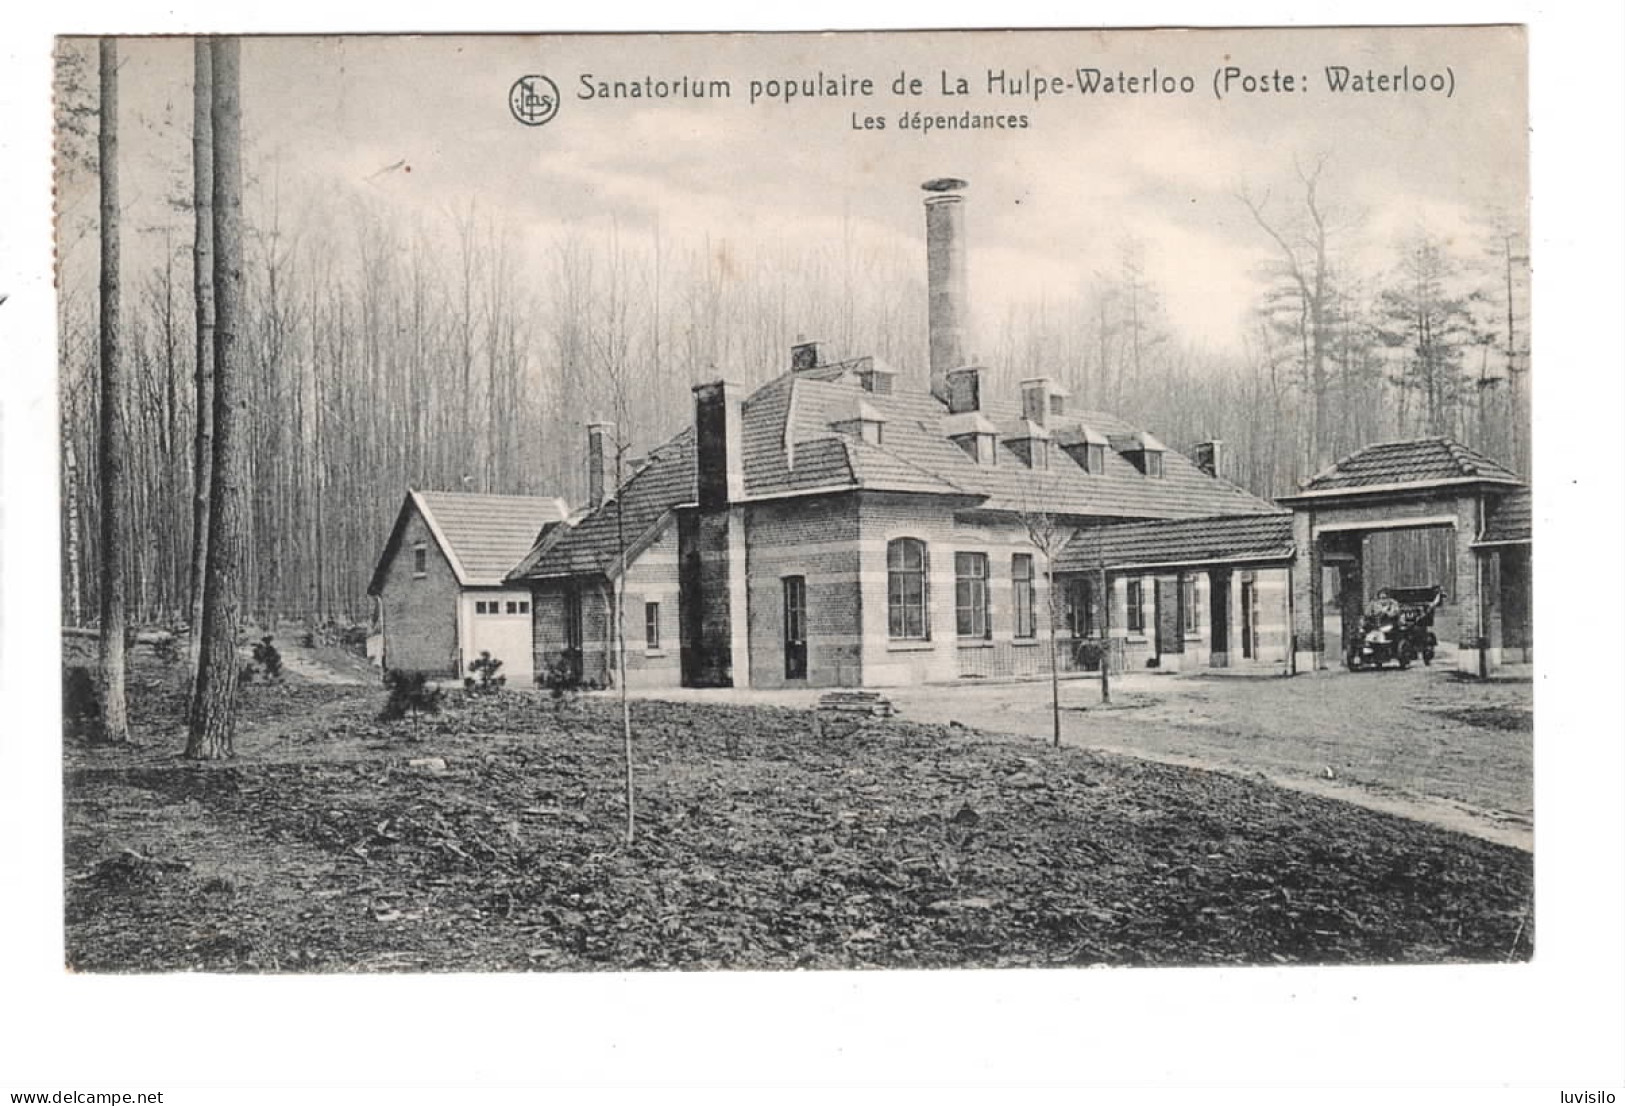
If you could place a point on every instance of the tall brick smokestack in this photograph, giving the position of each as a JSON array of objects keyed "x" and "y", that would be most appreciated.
[{"x": 948, "y": 306}]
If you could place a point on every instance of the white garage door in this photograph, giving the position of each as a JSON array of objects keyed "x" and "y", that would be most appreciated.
[{"x": 499, "y": 623}]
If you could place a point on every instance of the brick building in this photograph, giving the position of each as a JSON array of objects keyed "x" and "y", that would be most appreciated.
[
  {"x": 842, "y": 525},
  {"x": 439, "y": 585}
]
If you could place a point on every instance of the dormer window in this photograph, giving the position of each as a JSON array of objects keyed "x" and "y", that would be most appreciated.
[
  {"x": 1142, "y": 451},
  {"x": 1031, "y": 443},
  {"x": 1086, "y": 447},
  {"x": 981, "y": 448},
  {"x": 866, "y": 424},
  {"x": 972, "y": 432}
]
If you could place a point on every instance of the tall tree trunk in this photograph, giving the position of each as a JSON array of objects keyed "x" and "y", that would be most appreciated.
[
  {"x": 70, "y": 500},
  {"x": 114, "y": 448},
  {"x": 213, "y": 708},
  {"x": 203, "y": 366}
]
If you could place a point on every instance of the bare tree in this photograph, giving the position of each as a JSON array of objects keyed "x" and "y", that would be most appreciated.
[
  {"x": 214, "y": 702},
  {"x": 1306, "y": 264},
  {"x": 114, "y": 459}
]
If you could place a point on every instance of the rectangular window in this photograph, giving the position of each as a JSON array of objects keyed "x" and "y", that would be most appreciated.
[
  {"x": 1078, "y": 604},
  {"x": 479, "y": 606},
  {"x": 1153, "y": 463},
  {"x": 1136, "y": 608},
  {"x": 524, "y": 606},
  {"x": 1096, "y": 458},
  {"x": 1187, "y": 603},
  {"x": 420, "y": 560},
  {"x": 1021, "y": 586},
  {"x": 970, "y": 595},
  {"x": 513, "y": 606},
  {"x": 651, "y": 626}
]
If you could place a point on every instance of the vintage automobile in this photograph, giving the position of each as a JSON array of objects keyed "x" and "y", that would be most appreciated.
[{"x": 1397, "y": 626}]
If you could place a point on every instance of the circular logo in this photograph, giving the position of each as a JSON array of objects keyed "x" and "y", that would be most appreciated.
[{"x": 534, "y": 100}]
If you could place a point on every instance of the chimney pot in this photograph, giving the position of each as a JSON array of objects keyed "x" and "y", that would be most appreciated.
[{"x": 804, "y": 355}]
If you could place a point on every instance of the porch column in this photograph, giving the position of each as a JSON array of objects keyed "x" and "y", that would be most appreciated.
[
  {"x": 1219, "y": 580},
  {"x": 1170, "y": 627},
  {"x": 1470, "y": 591},
  {"x": 1308, "y": 611}
]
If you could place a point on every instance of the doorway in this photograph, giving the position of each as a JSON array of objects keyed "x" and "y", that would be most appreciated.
[
  {"x": 795, "y": 627},
  {"x": 1249, "y": 618},
  {"x": 573, "y": 632}
]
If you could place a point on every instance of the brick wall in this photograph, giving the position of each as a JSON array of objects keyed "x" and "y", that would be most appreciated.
[
  {"x": 550, "y": 615},
  {"x": 817, "y": 539},
  {"x": 944, "y": 656},
  {"x": 652, "y": 578},
  {"x": 420, "y": 612}
]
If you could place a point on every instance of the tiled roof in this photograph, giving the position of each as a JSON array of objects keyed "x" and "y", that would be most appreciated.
[
  {"x": 489, "y": 533},
  {"x": 790, "y": 447},
  {"x": 916, "y": 455},
  {"x": 1181, "y": 541},
  {"x": 591, "y": 547},
  {"x": 1511, "y": 518},
  {"x": 1417, "y": 461},
  {"x": 482, "y": 536}
]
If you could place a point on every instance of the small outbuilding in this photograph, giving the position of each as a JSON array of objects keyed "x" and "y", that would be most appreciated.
[{"x": 441, "y": 599}]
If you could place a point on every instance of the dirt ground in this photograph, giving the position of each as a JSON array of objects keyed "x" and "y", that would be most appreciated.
[
  {"x": 1425, "y": 743},
  {"x": 488, "y": 837}
]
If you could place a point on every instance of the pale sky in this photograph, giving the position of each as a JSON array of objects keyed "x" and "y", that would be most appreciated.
[{"x": 1049, "y": 203}]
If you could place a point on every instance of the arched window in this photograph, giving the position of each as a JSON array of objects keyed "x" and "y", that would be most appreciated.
[{"x": 906, "y": 566}]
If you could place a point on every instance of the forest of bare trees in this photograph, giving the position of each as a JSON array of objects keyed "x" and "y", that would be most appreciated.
[{"x": 383, "y": 350}]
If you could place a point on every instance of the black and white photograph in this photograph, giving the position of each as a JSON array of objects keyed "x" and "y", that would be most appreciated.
[{"x": 750, "y": 505}]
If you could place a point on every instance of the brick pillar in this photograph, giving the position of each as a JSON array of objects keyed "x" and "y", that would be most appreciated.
[
  {"x": 1308, "y": 613},
  {"x": 1353, "y": 601},
  {"x": 1218, "y": 605},
  {"x": 1469, "y": 594},
  {"x": 1170, "y": 629}
]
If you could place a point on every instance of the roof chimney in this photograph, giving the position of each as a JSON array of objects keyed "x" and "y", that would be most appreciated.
[
  {"x": 598, "y": 474},
  {"x": 804, "y": 355},
  {"x": 1208, "y": 456},
  {"x": 948, "y": 305},
  {"x": 719, "y": 452}
]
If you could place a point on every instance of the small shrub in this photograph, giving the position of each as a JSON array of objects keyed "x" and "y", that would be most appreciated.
[
  {"x": 1091, "y": 654},
  {"x": 268, "y": 658},
  {"x": 486, "y": 678},
  {"x": 562, "y": 678},
  {"x": 308, "y": 639},
  {"x": 410, "y": 695}
]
